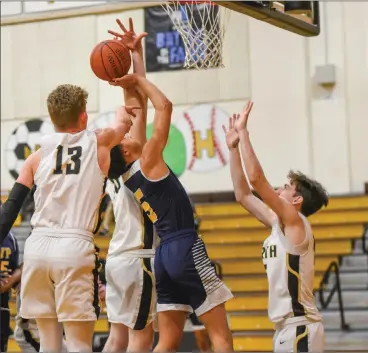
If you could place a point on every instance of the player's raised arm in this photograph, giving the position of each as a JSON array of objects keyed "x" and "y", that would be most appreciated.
[
  {"x": 243, "y": 193},
  {"x": 287, "y": 214},
  {"x": 134, "y": 96},
  {"x": 21, "y": 188},
  {"x": 153, "y": 149},
  {"x": 113, "y": 135}
]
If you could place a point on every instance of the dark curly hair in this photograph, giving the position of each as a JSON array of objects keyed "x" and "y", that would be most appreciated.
[{"x": 314, "y": 194}]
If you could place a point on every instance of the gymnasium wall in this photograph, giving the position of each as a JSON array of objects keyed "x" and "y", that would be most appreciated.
[{"x": 295, "y": 123}]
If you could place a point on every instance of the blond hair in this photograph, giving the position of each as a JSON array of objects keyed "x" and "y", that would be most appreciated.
[{"x": 65, "y": 104}]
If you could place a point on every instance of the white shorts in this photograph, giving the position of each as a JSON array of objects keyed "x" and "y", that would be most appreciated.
[
  {"x": 59, "y": 278},
  {"x": 303, "y": 338},
  {"x": 26, "y": 332},
  {"x": 130, "y": 291}
]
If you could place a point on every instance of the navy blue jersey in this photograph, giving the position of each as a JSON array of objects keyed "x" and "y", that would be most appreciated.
[
  {"x": 9, "y": 255},
  {"x": 165, "y": 201}
]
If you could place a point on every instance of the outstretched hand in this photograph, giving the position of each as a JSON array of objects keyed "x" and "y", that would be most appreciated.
[
  {"x": 242, "y": 118},
  {"x": 129, "y": 38},
  {"x": 232, "y": 137},
  {"x": 126, "y": 81},
  {"x": 125, "y": 114}
]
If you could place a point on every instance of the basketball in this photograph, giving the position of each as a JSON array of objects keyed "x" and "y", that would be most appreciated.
[{"x": 110, "y": 59}]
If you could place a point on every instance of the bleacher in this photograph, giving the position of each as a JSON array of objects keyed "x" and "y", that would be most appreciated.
[{"x": 234, "y": 238}]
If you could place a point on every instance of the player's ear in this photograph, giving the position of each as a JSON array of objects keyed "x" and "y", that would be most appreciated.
[
  {"x": 297, "y": 200},
  {"x": 124, "y": 149}
]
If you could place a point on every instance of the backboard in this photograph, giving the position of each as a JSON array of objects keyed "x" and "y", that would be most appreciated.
[{"x": 287, "y": 15}]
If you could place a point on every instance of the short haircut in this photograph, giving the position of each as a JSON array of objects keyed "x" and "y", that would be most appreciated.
[
  {"x": 117, "y": 163},
  {"x": 313, "y": 193},
  {"x": 65, "y": 104}
]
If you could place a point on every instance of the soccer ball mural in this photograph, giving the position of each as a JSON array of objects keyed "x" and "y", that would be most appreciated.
[{"x": 24, "y": 140}]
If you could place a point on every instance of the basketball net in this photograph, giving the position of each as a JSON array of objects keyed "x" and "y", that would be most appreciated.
[{"x": 201, "y": 29}]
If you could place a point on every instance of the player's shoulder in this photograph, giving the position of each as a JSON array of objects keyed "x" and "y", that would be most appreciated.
[
  {"x": 103, "y": 135},
  {"x": 34, "y": 160}
]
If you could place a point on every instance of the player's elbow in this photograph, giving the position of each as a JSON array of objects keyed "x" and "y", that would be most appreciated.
[
  {"x": 166, "y": 106},
  {"x": 239, "y": 196},
  {"x": 242, "y": 199},
  {"x": 256, "y": 179}
]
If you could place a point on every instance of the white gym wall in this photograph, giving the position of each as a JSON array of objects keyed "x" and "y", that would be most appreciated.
[{"x": 295, "y": 123}]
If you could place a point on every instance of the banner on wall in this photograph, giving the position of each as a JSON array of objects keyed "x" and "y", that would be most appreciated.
[
  {"x": 165, "y": 49},
  {"x": 196, "y": 141}
]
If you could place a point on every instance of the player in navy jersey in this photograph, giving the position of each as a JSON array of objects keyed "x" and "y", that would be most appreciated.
[
  {"x": 9, "y": 277},
  {"x": 185, "y": 278}
]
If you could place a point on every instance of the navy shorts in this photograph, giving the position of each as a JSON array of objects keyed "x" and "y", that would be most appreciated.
[
  {"x": 5, "y": 330},
  {"x": 185, "y": 278}
]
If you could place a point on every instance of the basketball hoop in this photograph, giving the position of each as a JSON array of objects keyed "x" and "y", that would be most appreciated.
[{"x": 202, "y": 30}]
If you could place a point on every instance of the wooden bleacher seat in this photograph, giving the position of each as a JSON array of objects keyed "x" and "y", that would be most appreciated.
[{"x": 230, "y": 209}]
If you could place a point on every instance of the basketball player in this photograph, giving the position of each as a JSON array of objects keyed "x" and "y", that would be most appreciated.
[
  {"x": 130, "y": 294},
  {"x": 185, "y": 279},
  {"x": 69, "y": 171},
  {"x": 288, "y": 253}
]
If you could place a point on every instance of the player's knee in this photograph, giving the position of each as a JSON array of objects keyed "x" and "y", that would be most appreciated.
[
  {"x": 218, "y": 329},
  {"x": 118, "y": 339},
  {"x": 167, "y": 346},
  {"x": 202, "y": 340},
  {"x": 141, "y": 341}
]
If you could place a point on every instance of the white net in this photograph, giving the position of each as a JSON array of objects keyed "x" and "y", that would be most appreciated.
[{"x": 202, "y": 30}]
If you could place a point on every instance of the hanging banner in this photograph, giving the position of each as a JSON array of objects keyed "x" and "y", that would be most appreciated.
[{"x": 164, "y": 46}]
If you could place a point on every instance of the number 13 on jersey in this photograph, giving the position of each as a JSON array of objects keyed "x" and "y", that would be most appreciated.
[
  {"x": 146, "y": 206},
  {"x": 72, "y": 167}
]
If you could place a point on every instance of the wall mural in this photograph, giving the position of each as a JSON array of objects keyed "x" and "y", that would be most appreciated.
[
  {"x": 23, "y": 141},
  {"x": 196, "y": 140}
]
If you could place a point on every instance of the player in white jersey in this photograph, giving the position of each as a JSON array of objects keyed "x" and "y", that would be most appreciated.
[
  {"x": 130, "y": 292},
  {"x": 69, "y": 171},
  {"x": 288, "y": 253}
]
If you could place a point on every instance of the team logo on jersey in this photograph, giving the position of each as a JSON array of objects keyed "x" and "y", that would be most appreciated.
[
  {"x": 269, "y": 252},
  {"x": 23, "y": 141}
]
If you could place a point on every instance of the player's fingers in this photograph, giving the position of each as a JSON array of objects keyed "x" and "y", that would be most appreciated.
[
  {"x": 130, "y": 110},
  {"x": 115, "y": 34},
  {"x": 122, "y": 27},
  {"x": 142, "y": 35},
  {"x": 249, "y": 107},
  {"x": 131, "y": 26},
  {"x": 235, "y": 118}
]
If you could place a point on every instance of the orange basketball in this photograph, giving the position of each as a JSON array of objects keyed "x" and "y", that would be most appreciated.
[{"x": 110, "y": 59}]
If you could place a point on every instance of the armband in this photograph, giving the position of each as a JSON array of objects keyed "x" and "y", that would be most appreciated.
[{"x": 10, "y": 209}]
